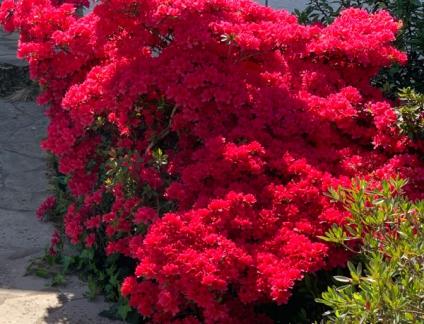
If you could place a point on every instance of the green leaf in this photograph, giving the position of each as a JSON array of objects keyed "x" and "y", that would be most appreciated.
[
  {"x": 58, "y": 279},
  {"x": 342, "y": 279},
  {"x": 123, "y": 311},
  {"x": 42, "y": 273}
]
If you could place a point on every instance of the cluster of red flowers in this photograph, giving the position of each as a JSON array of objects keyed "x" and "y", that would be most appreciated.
[
  {"x": 213, "y": 128},
  {"x": 45, "y": 207},
  {"x": 55, "y": 241}
]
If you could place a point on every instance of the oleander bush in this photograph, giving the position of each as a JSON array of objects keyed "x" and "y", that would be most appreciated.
[
  {"x": 196, "y": 140},
  {"x": 386, "y": 283}
]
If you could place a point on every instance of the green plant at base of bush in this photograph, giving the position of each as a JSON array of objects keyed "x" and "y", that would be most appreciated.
[
  {"x": 102, "y": 273},
  {"x": 386, "y": 233}
]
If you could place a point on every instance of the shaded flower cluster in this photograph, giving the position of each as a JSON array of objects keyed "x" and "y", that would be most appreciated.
[
  {"x": 199, "y": 138},
  {"x": 46, "y": 207}
]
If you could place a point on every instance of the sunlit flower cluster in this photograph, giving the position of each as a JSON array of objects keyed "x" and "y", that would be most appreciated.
[{"x": 201, "y": 135}]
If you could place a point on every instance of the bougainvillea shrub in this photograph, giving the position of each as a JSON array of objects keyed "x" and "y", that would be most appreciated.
[{"x": 200, "y": 136}]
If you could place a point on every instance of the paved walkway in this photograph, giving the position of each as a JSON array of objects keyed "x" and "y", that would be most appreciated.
[{"x": 23, "y": 185}]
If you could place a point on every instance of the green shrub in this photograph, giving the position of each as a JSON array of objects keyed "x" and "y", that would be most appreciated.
[
  {"x": 411, "y": 113},
  {"x": 386, "y": 234}
]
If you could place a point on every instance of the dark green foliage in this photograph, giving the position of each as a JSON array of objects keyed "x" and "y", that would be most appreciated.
[
  {"x": 302, "y": 308},
  {"x": 59, "y": 187}
]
